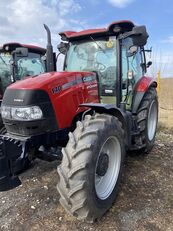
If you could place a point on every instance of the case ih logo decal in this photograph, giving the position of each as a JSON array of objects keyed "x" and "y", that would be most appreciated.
[
  {"x": 65, "y": 86},
  {"x": 89, "y": 78}
]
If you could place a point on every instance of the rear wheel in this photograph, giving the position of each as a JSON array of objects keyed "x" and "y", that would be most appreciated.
[
  {"x": 147, "y": 118},
  {"x": 90, "y": 171}
]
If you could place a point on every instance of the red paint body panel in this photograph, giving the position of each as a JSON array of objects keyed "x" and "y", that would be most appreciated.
[
  {"x": 144, "y": 83},
  {"x": 87, "y": 32},
  {"x": 67, "y": 33},
  {"x": 125, "y": 24},
  {"x": 65, "y": 102},
  {"x": 32, "y": 47}
]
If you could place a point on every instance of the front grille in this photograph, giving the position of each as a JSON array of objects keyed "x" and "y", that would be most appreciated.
[{"x": 29, "y": 128}]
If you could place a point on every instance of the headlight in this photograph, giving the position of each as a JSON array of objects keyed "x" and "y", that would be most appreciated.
[
  {"x": 5, "y": 112},
  {"x": 21, "y": 113}
]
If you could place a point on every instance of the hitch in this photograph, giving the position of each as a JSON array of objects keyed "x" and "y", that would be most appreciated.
[{"x": 11, "y": 152}]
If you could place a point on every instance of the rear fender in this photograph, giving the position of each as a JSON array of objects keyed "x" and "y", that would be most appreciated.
[{"x": 141, "y": 88}]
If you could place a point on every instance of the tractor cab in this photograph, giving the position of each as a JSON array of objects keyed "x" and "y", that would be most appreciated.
[
  {"x": 18, "y": 61},
  {"x": 115, "y": 54},
  {"x": 95, "y": 56}
]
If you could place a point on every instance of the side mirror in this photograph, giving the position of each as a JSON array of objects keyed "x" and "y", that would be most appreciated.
[
  {"x": 149, "y": 64},
  {"x": 21, "y": 51},
  {"x": 138, "y": 34},
  {"x": 131, "y": 51},
  {"x": 63, "y": 47}
]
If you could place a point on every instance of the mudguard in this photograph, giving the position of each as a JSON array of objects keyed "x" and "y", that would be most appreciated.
[
  {"x": 140, "y": 89},
  {"x": 112, "y": 109},
  {"x": 108, "y": 108}
]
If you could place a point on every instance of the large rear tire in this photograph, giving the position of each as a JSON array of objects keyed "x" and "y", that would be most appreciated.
[
  {"x": 147, "y": 118},
  {"x": 91, "y": 168}
]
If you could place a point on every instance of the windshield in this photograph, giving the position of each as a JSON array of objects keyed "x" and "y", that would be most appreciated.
[
  {"x": 29, "y": 66},
  {"x": 95, "y": 55},
  {"x": 5, "y": 70},
  {"x": 23, "y": 67}
]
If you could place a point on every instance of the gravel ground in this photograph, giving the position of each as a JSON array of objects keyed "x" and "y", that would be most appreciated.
[{"x": 145, "y": 200}]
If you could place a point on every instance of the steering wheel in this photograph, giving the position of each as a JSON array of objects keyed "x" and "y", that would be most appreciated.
[{"x": 100, "y": 66}]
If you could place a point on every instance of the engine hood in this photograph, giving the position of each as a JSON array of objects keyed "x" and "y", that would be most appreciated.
[
  {"x": 50, "y": 80},
  {"x": 58, "y": 94}
]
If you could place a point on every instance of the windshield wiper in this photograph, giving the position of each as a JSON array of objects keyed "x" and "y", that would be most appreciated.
[
  {"x": 98, "y": 45},
  {"x": 3, "y": 60}
]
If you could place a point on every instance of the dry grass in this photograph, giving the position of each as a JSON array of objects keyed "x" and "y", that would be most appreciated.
[{"x": 166, "y": 103}]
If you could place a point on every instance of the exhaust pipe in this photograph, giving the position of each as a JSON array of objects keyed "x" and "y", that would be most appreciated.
[{"x": 50, "y": 66}]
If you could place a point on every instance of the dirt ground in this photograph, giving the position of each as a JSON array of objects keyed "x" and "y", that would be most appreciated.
[{"x": 145, "y": 200}]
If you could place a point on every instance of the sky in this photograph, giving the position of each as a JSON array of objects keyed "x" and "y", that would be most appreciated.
[{"x": 22, "y": 21}]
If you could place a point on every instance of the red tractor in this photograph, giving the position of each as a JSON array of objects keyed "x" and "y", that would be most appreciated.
[
  {"x": 18, "y": 61},
  {"x": 100, "y": 107}
]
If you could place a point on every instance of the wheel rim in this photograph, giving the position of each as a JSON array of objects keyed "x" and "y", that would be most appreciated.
[
  {"x": 152, "y": 120},
  {"x": 105, "y": 182}
]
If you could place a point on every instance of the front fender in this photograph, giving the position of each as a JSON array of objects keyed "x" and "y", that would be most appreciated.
[
  {"x": 105, "y": 108},
  {"x": 123, "y": 116}
]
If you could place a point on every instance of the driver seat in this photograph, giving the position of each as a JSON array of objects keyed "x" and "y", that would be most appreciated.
[{"x": 108, "y": 85}]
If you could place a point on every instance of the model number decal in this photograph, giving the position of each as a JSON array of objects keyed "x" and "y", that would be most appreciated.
[{"x": 56, "y": 89}]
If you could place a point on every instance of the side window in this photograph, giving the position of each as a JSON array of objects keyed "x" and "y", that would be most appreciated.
[
  {"x": 135, "y": 65},
  {"x": 79, "y": 53},
  {"x": 130, "y": 63}
]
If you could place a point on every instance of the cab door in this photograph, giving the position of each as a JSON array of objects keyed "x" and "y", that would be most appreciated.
[{"x": 132, "y": 71}]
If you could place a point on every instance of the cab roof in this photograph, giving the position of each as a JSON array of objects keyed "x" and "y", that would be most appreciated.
[
  {"x": 113, "y": 29},
  {"x": 13, "y": 45}
]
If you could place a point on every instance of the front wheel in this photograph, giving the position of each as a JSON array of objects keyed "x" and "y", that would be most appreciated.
[
  {"x": 21, "y": 164},
  {"x": 91, "y": 168}
]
